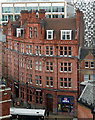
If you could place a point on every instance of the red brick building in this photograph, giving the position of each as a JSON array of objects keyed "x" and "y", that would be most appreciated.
[
  {"x": 86, "y": 67},
  {"x": 41, "y": 60},
  {"x": 4, "y": 103}
]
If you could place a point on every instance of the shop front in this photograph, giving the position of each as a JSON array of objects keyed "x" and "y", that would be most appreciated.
[{"x": 65, "y": 103}]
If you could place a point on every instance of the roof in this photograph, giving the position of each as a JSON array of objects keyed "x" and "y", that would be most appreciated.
[
  {"x": 88, "y": 94},
  {"x": 28, "y": 112},
  {"x": 85, "y": 51},
  {"x": 58, "y": 24}
]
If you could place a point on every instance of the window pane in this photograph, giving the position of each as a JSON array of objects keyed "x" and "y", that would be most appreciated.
[{"x": 86, "y": 77}]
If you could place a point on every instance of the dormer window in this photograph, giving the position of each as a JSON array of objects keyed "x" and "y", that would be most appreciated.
[
  {"x": 66, "y": 34},
  {"x": 49, "y": 34},
  {"x": 19, "y": 32}
]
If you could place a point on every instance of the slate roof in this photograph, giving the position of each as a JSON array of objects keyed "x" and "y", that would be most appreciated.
[
  {"x": 55, "y": 24},
  {"x": 85, "y": 51},
  {"x": 58, "y": 24},
  {"x": 88, "y": 94}
]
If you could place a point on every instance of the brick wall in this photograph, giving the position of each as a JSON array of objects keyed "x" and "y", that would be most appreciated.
[
  {"x": 84, "y": 112},
  {"x": 5, "y": 103}
]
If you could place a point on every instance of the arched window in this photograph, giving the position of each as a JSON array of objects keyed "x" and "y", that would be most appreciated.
[
  {"x": 30, "y": 32},
  {"x": 35, "y": 32}
]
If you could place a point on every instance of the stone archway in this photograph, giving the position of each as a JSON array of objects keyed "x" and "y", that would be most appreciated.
[{"x": 49, "y": 102}]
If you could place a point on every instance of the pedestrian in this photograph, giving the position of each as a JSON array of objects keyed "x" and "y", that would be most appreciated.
[
  {"x": 47, "y": 113},
  {"x": 21, "y": 102},
  {"x": 13, "y": 102}
]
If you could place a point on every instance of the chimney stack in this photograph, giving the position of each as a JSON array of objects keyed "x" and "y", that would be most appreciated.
[
  {"x": 24, "y": 15},
  {"x": 41, "y": 14}
]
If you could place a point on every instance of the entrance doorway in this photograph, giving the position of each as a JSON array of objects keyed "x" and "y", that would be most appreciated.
[
  {"x": 16, "y": 89},
  {"x": 17, "y": 92},
  {"x": 49, "y": 102}
]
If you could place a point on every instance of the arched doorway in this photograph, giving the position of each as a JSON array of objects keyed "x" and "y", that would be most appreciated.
[{"x": 49, "y": 102}]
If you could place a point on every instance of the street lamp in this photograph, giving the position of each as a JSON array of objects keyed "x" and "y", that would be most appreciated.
[
  {"x": 57, "y": 72},
  {"x": 18, "y": 67},
  {"x": 27, "y": 93},
  {"x": 57, "y": 66}
]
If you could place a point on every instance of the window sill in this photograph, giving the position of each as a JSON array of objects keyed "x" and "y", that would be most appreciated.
[
  {"x": 69, "y": 71},
  {"x": 50, "y": 39},
  {"x": 65, "y": 39},
  {"x": 65, "y": 55},
  {"x": 61, "y": 87}
]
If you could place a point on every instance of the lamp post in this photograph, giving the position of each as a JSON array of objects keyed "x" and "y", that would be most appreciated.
[
  {"x": 18, "y": 68},
  {"x": 57, "y": 66},
  {"x": 57, "y": 72},
  {"x": 27, "y": 93}
]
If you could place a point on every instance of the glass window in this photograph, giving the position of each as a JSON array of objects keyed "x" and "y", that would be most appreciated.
[
  {"x": 61, "y": 67},
  {"x": 5, "y": 18},
  {"x": 38, "y": 50},
  {"x": 35, "y": 32},
  {"x": 36, "y": 65},
  {"x": 36, "y": 78},
  {"x": 86, "y": 64},
  {"x": 86, "y": 77},
  {"x": 65, "y": 82},
  {"x": 65, "y": 67},
  {"x": 49, "y": 50},
  {"x": 69, "y": 83},
  {"x": 7, "y": 9},
  {"x": 91, "y": 64},
  {"x": 50, "y": 34},
  {"x": 65, "y": 34},
  {"x": 30, "y": 32},
  {"x": 18, "y": 9},
  {"x": 61, "y": 82},
  {"x": 69, "y": 67},
  {"x": 92, "y": 77}
]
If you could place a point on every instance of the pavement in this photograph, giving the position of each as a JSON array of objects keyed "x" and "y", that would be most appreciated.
[{"x": 58, "y": 117}]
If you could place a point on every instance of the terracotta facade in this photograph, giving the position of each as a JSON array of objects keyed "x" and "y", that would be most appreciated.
[{"x": 36, "y": 67}]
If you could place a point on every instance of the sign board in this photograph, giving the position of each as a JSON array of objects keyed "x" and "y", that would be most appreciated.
[{"x": 65, "y": 100}]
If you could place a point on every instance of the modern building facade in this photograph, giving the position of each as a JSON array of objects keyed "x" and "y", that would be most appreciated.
[
  {"x": 88, "y": 8},
  {"x": 54, "y": 9},
  {"x": 41, "y": 60}
]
